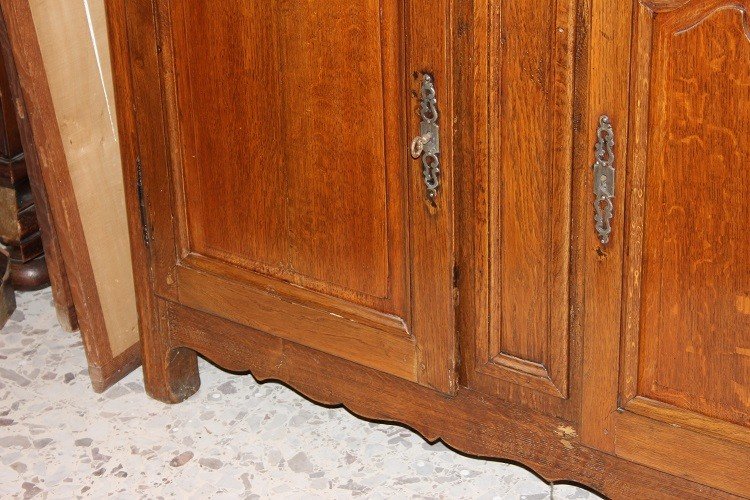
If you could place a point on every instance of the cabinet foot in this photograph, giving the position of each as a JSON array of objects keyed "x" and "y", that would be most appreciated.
[{"x": 173, "y": 379}]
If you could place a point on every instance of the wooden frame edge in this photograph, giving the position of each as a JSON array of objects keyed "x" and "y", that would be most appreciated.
[
  {"x": 52, "y": 168},
  {"x": 105, "y": 376},
  {"x": 58, "y": 276}
]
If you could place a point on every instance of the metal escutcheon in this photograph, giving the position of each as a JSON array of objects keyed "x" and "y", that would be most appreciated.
[
  {"x": 427, "y": 144},
  {"x": 604, "y": 179}
]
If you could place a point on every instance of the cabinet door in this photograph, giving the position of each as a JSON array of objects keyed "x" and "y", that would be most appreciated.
[
  {"x": 287, "y": 200},
  {"x": 682, "y": 400},
  {"x": 520, "y": 190}
]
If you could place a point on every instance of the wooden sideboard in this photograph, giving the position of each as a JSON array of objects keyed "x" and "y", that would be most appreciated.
[{"x": 562, "y": 279}]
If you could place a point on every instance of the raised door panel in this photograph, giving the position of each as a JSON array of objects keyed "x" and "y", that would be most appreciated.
[
  {"x": 524, "y": 98},
  {"x": 301, "y": 184},
  {"x": 695, "y": 294},
  {"x": 295, "y": 209},
  {"x": 685, "y": 374}
]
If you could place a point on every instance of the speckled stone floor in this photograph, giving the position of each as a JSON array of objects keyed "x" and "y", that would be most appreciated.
[{"x": 234, "y": 439}]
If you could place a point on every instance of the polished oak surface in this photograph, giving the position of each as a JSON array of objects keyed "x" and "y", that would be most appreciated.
[
  {"x": 684, "y": 371},
  {"x": 695, "y": 299},
  {"x": 287, "y": 232},
  {"x": 524, "y": 98},
  {"x": 293, "y": 165},
  {"x": 287, "y": 200}
]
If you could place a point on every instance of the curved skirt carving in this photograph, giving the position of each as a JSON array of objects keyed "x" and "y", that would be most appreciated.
[{"x": 470, "y": 422}]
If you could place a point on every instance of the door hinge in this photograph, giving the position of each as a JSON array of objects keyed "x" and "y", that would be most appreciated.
[{"x": 142, "y": 201}]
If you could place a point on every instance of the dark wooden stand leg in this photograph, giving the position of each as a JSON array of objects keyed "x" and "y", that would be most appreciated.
[
  {"x": 19, "y": 229},
  {"x": 170, "y": 374},
  {"x": 29, "y": 275},
  {"x": 7, "y": 294}
]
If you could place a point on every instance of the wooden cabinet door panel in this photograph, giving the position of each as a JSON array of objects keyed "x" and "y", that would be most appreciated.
[
  {"x": 684, "y": 379},
  {"x": 304, "y": 157},
  {"x": 295, "y": 208},
  {"x": 522, "y": 181},
  {"x": 694, "y": 269}
]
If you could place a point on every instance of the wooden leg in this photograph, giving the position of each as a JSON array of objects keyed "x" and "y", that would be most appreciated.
[
  {"x": 170, "y": 373},
  {"x": 7, "y": 294}
]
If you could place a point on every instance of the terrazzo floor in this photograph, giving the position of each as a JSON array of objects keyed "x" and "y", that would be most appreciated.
[{"x": 234, "y": 439}]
